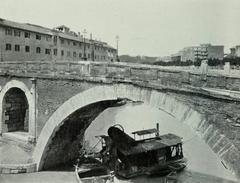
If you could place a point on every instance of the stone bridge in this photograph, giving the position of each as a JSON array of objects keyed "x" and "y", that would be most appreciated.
[{"x": 46, "y": 106}]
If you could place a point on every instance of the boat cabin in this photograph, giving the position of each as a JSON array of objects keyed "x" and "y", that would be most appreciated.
[
  {"x": 149, "y": 152},
  {"x": 129, "y": 156}
]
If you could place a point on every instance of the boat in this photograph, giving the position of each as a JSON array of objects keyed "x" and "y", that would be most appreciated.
[
  {"x": 93, "y": 173},
  {"x": 129, "y": 157}
]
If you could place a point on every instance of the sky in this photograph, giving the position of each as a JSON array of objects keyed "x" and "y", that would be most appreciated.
[{"x": 145, "y": 27}]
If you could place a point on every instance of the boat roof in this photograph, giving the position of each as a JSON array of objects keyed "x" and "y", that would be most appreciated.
[
  {"x": 151, "y": 144},
  {"x": 145, "y": 132}
]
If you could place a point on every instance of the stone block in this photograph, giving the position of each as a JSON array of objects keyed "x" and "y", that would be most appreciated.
[
  {"x": 14, "y": 171},
  {"x": 97, "y": 70},
  {"x": 143, "y": 74},
  {"x": 8, "y": 105},
  {"x": 22, "y": 170},
  {"x": 6, "y": 170}
]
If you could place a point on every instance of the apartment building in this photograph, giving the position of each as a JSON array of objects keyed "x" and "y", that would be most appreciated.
[
  {"x": 28, "y": 42},
  {"x": 202, "y": 52},
  {"x": 235, "y": 51}
]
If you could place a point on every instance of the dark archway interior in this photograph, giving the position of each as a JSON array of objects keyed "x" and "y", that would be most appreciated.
[
  {"x": 15, "y": 111},
  {"x": 67, "y": 141}
]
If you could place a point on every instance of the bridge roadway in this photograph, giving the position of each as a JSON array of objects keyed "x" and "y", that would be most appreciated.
[{"x": 47, "y": 106}]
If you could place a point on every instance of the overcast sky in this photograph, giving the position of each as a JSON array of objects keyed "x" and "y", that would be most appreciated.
[{"x": 145, "y": 27}]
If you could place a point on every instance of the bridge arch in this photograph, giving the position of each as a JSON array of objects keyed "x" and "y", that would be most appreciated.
[
  {"x": 19, "y": 95},
  {"x": 154, "y": 98}
]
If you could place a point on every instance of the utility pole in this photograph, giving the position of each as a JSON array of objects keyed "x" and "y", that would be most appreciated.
[
  {"x": 92, "y": 46},
  {"x": 117, "y": 39},
  {"x": 1, "y": 52},
  {"x": 84, "y": 44}
]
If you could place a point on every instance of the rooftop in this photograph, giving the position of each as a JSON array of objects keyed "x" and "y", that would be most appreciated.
[
  {"x": 145, "y": 132},
  {"x": 26, "y": 26},
  {"x": 151, "y": 144},
  {"x": 63, "y": 31}
]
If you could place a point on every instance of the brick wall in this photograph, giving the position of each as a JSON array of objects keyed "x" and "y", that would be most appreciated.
[{"x": 52, "y": 93}]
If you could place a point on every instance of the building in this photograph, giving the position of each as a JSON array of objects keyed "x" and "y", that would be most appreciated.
[
  {"x": 163, "y": 59},
  {"x": 175, "y": 57},
  {"x": 28, "y": 42},
  {"x": 202, "y": 52},
  {"x": 235, "y": 51}
]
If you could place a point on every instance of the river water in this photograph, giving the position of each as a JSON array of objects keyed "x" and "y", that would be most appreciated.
[
  {"x": 137, "y": 117},
  {"x": 203, "y": 164}
]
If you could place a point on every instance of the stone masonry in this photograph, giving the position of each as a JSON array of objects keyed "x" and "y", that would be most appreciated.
[{"x": 213, "y": 97}]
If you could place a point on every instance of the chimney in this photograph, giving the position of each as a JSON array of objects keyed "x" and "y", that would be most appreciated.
[{"x": 157, "y": 134}]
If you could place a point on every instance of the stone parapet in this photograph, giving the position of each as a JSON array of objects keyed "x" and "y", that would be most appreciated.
[{"x": 157, "y": 77}]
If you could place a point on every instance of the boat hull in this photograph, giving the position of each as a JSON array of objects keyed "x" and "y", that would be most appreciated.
[
  {"x": 159, "y": 170},
  {"x": 108, "y": 178}
]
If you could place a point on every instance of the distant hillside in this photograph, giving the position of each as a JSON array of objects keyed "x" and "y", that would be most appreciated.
[{"x": 138, "y": 59}]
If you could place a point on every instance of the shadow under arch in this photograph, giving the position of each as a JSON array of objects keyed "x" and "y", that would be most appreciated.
[
  {"x": 167, "y": 102},
  {"x": 18, "y": 85}
]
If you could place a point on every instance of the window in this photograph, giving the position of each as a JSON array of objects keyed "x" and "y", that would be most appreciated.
[
  {"x": 17, "y": 33},
  {"x": 62, "y": 52},
  {"x": 55, "y": 39},
  {"x": 74, "y": 54},
  {"x": 17, "y": 47},
  {"x": 8, "y": 46},
  {"x": 89, "y": 56},
  {"x": 68, "y": 53},
  {"x": 80, "y": 45},
  {"x": 80, "y": 55},
  {"x": 27, "y": 48},
  {"x": 8, "y": 31},
  {"x": 38, "y": 36},
  {"x": 68, "y": 42},
  {"x": 47, "y": 51},
  {"x": 48, "y": 38},
  {"x": 38, "y": 50},
  {"x": 62, "y": 41},
  {"x": 74, "y": 43},
  {"x": 55, "y": 51},
  {"x": 27, "y": 34}
]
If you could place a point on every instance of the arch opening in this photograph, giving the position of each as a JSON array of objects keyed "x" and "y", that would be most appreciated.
[
  {"x": 15, "y": 113},
  {"x": 67, "y": 140}
]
